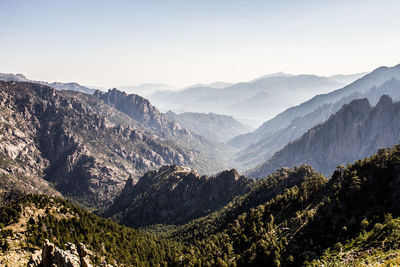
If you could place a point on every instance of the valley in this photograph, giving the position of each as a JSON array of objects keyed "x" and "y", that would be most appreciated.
[{"x": 127, "y": 181}]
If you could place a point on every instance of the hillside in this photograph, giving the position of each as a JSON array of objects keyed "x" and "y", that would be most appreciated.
[
  {"x": 216, "y": 127},
  {"x": 304, "y": 220},
  {"x": 175, "y": 195},
  {"x": 352, "y": 218},
  {"x": 28, "y": 222},
  {"x": 53, "y": 136},
  {"x": 291, "y": 218},
  {"x": 355, "y": 131}
]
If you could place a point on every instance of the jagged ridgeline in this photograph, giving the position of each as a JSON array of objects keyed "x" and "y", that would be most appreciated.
[
  {"x": 356, "y": 131},
  {"x": 293, "y": 217},
  {"x": 175, "y": 195},
  {"x": 62, "y": 141}
]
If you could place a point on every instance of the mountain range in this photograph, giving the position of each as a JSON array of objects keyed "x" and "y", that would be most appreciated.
[
  {"x": 256, "y": 100},
  {"x": 356, "y": 131},
  {"x": 80, "y": 173},
  {"x": 83, "y": 146},
  {"x": 258, "y": 146}
]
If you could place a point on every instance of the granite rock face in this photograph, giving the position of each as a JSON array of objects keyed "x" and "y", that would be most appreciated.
[
  {"x": 214, "y": 155},
  {"x": 139, "y": 109},
  {"x": 51, "y": 256},
  {"x": 62, "y": 141},
  {"x": 175, "y": 195},
  {"x": 356, "y": 131}
]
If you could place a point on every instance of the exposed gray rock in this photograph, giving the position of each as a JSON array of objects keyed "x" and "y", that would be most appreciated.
[
  {"x": 50, "y": 256},
  {"x": 148, "y": 116},
  {"x": 35, "y": 259},
  {"x": 86, "y": 148},
  {"x": 356, "y": 131}
]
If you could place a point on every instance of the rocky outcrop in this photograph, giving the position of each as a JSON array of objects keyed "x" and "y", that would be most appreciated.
[
  {"x": 356, "y": 131},
  {"x": 141, "y": 110},
  {"x": 50, "y": 256},
  {"x": 175, "y": 195}
]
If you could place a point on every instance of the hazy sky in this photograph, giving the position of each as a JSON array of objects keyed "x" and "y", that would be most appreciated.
[{"x": 113, "y": 43}]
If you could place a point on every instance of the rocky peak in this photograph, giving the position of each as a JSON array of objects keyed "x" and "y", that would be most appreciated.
[
  {"x": 136, "y": 107},
  {"x": 356, "y": 106},
  {"x": 385, "y": 100}
]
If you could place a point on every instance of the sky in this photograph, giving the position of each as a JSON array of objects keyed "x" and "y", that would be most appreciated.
[{"x": 114, "y": 43}]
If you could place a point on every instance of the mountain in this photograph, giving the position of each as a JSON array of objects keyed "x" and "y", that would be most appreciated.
[
  {"x": 262, "y": 150},
  {"x": 9, "y": 77},
  {"x": 175, "y": 195},
  {"x": 376, "y": 78},
  {"x": 355, "y": 131},
  {"x": 216, "y": 127},
  {"x": 215, "y": 85},
  {"x": 277, "y": 74},
  {"x": 56, "y": 85},
  {"x": 347, "y": 78},
  {"x": 241, "y": 100},
  {"x": 69, "y": 142},
  {"x": 149, "y": 117},
  {"x": 219, "y": 85},
  {"x": 145, "y": 88}
]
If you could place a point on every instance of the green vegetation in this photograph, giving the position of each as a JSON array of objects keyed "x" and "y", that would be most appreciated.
[
  {"x": 294, "y": 217},
  {"x": 262, "y": 191},
  {"x": 62, "y": 222},
  {"x": 297, "y": 226}
]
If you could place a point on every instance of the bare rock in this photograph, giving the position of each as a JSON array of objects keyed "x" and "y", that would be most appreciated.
[{"x": 35, "y": 259}]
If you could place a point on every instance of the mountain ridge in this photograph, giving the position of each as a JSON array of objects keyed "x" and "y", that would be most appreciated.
[{"x": 356, "y": 131}]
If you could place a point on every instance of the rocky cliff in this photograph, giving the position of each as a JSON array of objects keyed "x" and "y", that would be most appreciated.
[
  {"x": 356, "y": 131},
  {"x": 50, "y": 255},
  {"x": 83, "y": 147},
  {"x": 175, "y": 195},
  {"x": 148, "y": 117}
]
